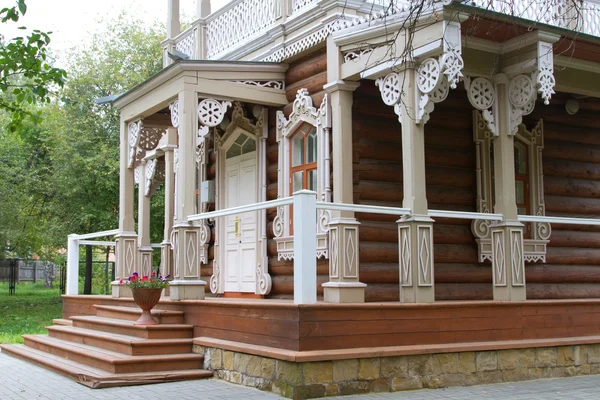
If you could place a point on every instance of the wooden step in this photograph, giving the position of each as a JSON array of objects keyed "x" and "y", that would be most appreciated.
[
  {"x": 123, "y": 327},
  {"x": 133, "y": 313},
  {"x": 112, "y": 361},
  {"x": 124, "y": 344},
  {"x": 94, "y": 377},
  {"x": 62, "y": 321}
]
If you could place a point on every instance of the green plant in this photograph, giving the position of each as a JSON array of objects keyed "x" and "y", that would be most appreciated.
[{"x": 146, "y": 282}]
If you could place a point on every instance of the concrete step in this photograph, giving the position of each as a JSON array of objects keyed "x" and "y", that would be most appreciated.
[
  {"x": 124, "y": 344},
  {"x": 124, "y": 327},
  {"x": 112, "y": 361},
  {"x": 133, "y": 313},
  {"x": 97, "y": 378}
]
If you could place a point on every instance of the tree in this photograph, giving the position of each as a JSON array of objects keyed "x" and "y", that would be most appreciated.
[
  {"x": 61, "y": 176},
  {"x": 26, "y": 77}
]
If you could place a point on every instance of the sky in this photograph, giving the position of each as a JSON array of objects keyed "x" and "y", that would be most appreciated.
[{"x": 71, "y": 21}]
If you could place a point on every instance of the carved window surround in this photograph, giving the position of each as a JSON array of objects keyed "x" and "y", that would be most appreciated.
[
  {"x": 303, "y": 112},
  {"x": 258, "y": 131},
  {"x": 534, "y": 249}
]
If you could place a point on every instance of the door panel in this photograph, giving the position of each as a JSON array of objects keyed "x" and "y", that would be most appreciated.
[{"x": 241, "y": 229}]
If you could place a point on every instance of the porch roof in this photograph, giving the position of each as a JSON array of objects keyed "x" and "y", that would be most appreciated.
[{"x": 255, "y": 82}]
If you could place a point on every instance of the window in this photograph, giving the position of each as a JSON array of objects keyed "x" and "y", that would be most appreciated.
[
  {"x": 303, "y": 140},
  {"x": 303, "y": 168},
  {"x": 528, "y": 145}
]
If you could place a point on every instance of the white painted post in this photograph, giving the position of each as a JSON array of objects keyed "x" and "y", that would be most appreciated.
[
  {"x": 73, "y": 265},
  {"x": 305, "y": 247}
]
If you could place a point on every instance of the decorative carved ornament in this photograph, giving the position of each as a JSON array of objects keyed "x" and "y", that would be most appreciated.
[
  {"x": 258, "y": 131},
  {"x": 522, "y": 91},
  {"x": 303, "y": 112},
  {"x": 534, "y": 248},
  {"x": 435, "y": 77},
  {"x": 150, "y": 171},
  {"x": 133, "y": 140},
  {"x": 279, "y": 85}
]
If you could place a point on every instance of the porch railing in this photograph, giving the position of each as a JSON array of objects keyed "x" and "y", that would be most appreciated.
[
  {"x": 305, "y": 216},
  {"x": 73, "y": 243},
  {"x": 582, "y": 16}
]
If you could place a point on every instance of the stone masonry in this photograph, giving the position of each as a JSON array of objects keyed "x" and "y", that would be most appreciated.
[{"x": 303, "y": 380}]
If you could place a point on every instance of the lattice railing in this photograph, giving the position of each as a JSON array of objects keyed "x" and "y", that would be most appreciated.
[
  {"x": 581, "y": 16},
  {"x": 239, "y": 21},
  {"x": 186, "y": 43}
]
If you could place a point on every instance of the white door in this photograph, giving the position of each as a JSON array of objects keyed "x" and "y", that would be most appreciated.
[{"x": 241, "y": 230}]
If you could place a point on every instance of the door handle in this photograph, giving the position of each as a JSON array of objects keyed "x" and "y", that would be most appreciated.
[{"x": 237, "y": 226}]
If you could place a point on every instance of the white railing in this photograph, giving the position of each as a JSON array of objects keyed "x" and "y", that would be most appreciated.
[
  {"x": 581, "y": 16},
  {"x": 185, "y": 42},
  {"x": 73, "y": 243}
]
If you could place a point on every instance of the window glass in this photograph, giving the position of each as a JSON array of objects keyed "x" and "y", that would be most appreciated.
[
  {"x": 234, "y": 151},
  {"x": 520, "y": 158},
  {"x": 520, "y": 191},
  {"x": 298, "y": 178},
  {"x": 241, "y": 139},
  {"x": 312, "y": 146},
  {"x": 312, "y": 180},
  {"x": 297, "y": 149},
  {"x": 249, "y": 146}
]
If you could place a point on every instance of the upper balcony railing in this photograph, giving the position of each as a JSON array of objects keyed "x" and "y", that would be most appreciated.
[{"x": 245, "y": 25}]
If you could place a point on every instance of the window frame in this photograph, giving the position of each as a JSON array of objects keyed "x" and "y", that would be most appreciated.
[{"x": 536, "y": 235}]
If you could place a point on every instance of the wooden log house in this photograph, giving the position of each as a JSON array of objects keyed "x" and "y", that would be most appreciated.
[{"x": 362, "y": 197}]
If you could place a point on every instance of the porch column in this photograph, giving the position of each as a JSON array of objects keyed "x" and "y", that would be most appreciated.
[
  {"x": 166, "y": 258},
  {"x": 508, "y": 263},
  {"x": 344, "y": 285},
  {"x": 126, "y": 239},
  {"x": 187, "y": 283},
  {"x": 415, "y": 231},
  {"x": 202, "y": 8},
  {"x": 173, "y": 25},
  {"x": 144, "y": 266}
]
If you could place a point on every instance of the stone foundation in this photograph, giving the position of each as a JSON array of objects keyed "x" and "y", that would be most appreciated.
[{"x": 303, "y": 380}]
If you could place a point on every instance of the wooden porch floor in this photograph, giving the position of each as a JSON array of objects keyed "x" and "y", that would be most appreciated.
[{"x": 282, "y": 329}]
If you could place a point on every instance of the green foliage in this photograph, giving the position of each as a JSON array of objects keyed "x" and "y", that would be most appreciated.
[
  {"x": 28, "y": 311},
  {"x": 61, "y": 176},
  {"x": 26, "y": 77}
]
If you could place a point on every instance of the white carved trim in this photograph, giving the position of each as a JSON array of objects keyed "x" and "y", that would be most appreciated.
[
  {"x": 545, "y": 75},
  {"x": 174, "y": 239},
  {"x": 498, "y": 265},
  {"x": 215, "y": 278},
  {"x": 404, "y": 247},
  {"x": 517, "y": 261},
  {"x": 130, "y": 253},
  {"x": 133, "y": 141},
  {"x": 425, "y": 254},
  {"x": 279, "y": 85},
  {"x": 174, "y": 107},
  {"x": 534, "y": 249},
  {"x": 303, "y": 112},
  {"x": 211, "y": 111},
  {"x": 149, "y": 175},
  {"x": 190, "y": 248}
]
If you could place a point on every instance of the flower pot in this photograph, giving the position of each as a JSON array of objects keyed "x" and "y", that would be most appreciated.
[{"x": 146, "y": 299}]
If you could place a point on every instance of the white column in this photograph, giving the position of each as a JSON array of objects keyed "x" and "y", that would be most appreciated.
[
  {"x": 145, "y": 251},
  {"x": 508, "y": 264},
  {"x": 166, "y": 252},
  {"x": 344, "y": 285},
  {"x": 202, "y": 8},
  {"x": 173, "y": 25},
  {"x": 72, "y": 265},
  {"x": 187, "y": 283},
  {"x": 126, "y": 239},
  {"x": 415, "y": 232},
  {"x": 305, "y": 247}
]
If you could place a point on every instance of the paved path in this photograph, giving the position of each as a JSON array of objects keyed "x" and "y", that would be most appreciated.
[{"x": 21, "y": 380}]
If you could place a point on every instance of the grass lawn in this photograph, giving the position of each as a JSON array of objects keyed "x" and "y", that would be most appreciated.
[{"x": 29, "y": 310}]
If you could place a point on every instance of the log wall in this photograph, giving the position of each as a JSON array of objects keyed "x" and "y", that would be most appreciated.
[
  {"x": 571, "y": 160},
  {"x": 450, "y": 177}
]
